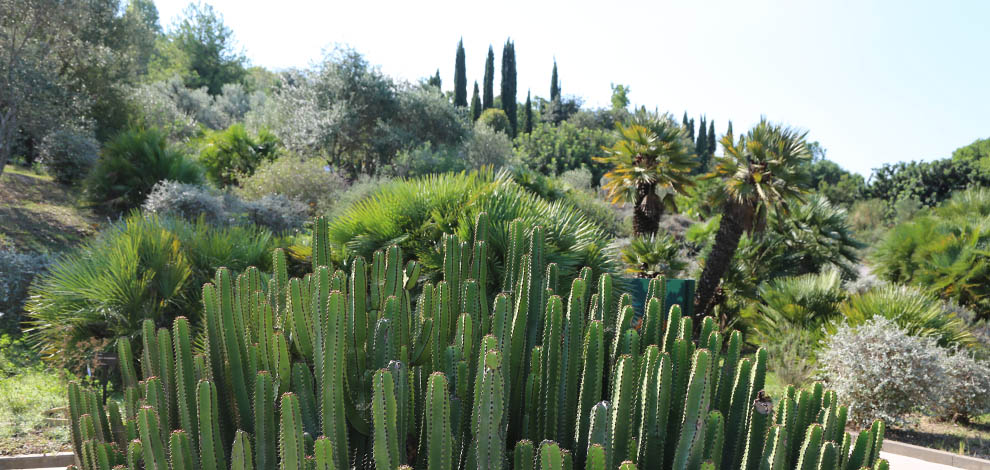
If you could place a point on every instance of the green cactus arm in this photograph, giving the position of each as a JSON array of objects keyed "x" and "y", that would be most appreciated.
[
  {"x": 75, "y": 411},
  {"x": 596, "y": 458},
  {"x": 627, "y": 465},
  {"x": 384, "y": 415},
  {"x": 691, "y": 443},
  {"x": 549, "y": 411},
  {"x": 828, "y": 457},
  {"x": 649, "y": 452},
  {"x": 877, "y": 431},
  {"x": 810, "y": 454},
  {"x": 671, "y": 328},
  {"x": 321, "y": 243},
  {"x": 773, "y": 456},
  {"x": 550, "y": 456},
  {"x": 715, "y": 439},
  {"x": 291, "y": 446},
  {"x": 726, "y": 379},
  {"x": 881, "y": 464},
  {"x": 323, "y": 454},
  {"x": 150, "y": 357},
  {"x": 125, "y": 357},
  {"x": 488, "y": 431},
  {"x": 439, "y": 445},
  {"x": 181, "y": 455},
  {"x": 523, "y": 455},
  {"x": 135, "y": 455},
  {"x": 233, "y": 350},
  {"x": 862, "y": 450},
  {"x": 570, "y": 353},
  {"x": 211, "y": 450},
  {"x": 844, "y": 449},
  {"x": 154, "y": 449},
  {"x": 600, "y": 430},
  {"x": 185, "y": 378},
  {"x": 652, "y": 322},
  {"x": 593, "y": 358},
  {"x": 265, "y": 431},
  {"x": 331, "y": 380},
  {"x": 240, "y": 452}
]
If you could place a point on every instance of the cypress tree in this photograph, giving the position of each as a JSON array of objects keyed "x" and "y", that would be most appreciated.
[
  {"x": 435, "y": 81},
  {"x": 475, "y": 103},
  {"x": 488, "y": 98},
  {"x": 528, "y": 116},
  {"x": 701, "y": 147},
  {"x": 690, "y": 128},
  {"x": 460, "y": 76},
  {"x": 711, "y": 138},
  {"x": 684, "y": 123},
  {"x": 554, "y": 84},
  {"x": 508, "y": 90},
  {"x": 730, "y": 129}
]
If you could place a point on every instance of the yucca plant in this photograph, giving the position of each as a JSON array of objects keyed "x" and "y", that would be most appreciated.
[
  {"x": 342, "y": 369},
  {"x": 651, "y": 163}
]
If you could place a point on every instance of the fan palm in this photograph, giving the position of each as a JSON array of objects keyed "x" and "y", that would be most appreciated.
[
  {"x": 762, "y": 171},
  {"x": 651, "y": 163}
]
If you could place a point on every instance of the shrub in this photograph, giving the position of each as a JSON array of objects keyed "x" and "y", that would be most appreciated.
[
  {"x": 881, "y": 370},
  {"x": 558, "y": 148},
  {"x": 658, "y": 255},
  {"x": 488, "y": 148},
  {"x": 868, "y": 214},
  {"x": 130, "y": 166},
  {"x": 917, "y": 312},
  {"x": 228, "y": 154},
  {"x": 494, "y": 119},
  {"x": 806, "y": 302},
  {"x": 277, "y": 213},
  {"x": 143, "y": 267},
  {"x": 310, "y": 181},
  {"x": 427, "y": 159},
  {"x": 600, "y": 212},
  {"x": 791, "y": 353},
  {"x": 966, "y": 390},
  {"x": 188, "y": 201},
  {"x": 17, "y": 270},
  {"x": 68, "y": 154},
  {"x": 579, "y": 179}
]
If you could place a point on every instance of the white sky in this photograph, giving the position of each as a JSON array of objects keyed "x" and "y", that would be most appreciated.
[{"x": 873, "y": 81}]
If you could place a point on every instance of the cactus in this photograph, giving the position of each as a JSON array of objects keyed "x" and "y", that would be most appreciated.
[{"x": 365, "y": 379}]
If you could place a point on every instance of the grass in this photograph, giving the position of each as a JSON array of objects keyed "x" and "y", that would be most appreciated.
[
  {"x": 28, "y": 391},
  {"x": 39, "y": 214}
]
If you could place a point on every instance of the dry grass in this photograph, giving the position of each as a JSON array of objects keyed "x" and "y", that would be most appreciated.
[{"x": 36, "y": 214}]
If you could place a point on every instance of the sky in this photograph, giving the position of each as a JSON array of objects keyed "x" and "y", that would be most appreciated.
[{"x": 873, "y": 81}]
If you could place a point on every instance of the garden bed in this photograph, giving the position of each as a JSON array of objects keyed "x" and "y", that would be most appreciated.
[{"x": 970, "y": 439}]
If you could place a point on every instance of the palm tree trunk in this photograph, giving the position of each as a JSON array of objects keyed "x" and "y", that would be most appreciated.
[
  {"x": 730, "y": 230},
  {"x": 646, "y": 219}
]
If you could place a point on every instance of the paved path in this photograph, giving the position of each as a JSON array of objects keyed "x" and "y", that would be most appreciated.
[{"x": 900, "y": 462}]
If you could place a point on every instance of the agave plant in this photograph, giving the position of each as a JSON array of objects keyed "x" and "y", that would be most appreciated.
[
  {"x": 651, "y": 163},
  {"x": 656, "y": 255}
]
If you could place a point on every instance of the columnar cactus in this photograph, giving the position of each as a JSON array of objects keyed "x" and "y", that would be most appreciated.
[{"x": 377, "y": 367}]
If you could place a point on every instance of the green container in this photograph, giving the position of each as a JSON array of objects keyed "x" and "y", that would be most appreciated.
[{"x": 679, "y": 292}]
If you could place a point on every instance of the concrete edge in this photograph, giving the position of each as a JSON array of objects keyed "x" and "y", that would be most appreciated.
[
  {"x": 57, "y": 459},
  {"x": 935, "y": 456}
]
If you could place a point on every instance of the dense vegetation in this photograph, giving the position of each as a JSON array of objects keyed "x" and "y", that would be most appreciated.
[{"x": 189, "y": 159}]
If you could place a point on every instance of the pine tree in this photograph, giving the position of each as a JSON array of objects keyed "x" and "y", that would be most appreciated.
[
  {"x": 508, "y": 91},
  {"x": 701, "y": 146},
  {"x": 460, "y": 76},
  {"x": 475, "y": 103},
  {"x": 528, "y": 116},
  {"x": 711, "y": 138},
  {"x": 488, "y": 98},
  {"x": 554, "y": 84}
]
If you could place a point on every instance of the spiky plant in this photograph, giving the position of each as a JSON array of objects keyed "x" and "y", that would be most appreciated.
[
  {"x": 918, "y": 312},
  {"x": 762, "y": 171},
  {"x": 656, "y": 255},
  {"x": 651, "y": 163}
]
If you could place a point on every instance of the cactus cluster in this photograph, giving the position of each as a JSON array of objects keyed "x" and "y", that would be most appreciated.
[{"x": 367, "y": 365}]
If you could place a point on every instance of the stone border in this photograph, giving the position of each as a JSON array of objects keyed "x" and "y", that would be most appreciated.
[
  {"x": 57, "y": 459},
  {"x": 935, "y": 456}
]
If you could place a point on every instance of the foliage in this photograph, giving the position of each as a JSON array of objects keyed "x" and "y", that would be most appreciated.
[
  {"x": 807, "y": 302},
  {"x": 650, "y": 163},
  {"x": 598, "y": 211},
  {"x": 182, "y": 112},
  {"x": 143, "y": 267},
  {"x": 496, "y": 120},
  {"x": 17, "y": 270},
  {"x": 207, "y": 48},
  {"x": 130, "y": 166},
  {"x": 27, "y": 396},
  {"x": 488, "y": 148},
  {"x": 927, "y": 182},
  {"x": 579, "y": 179},
  {"x": 226, "y": 155},
  {"x": 460, "y": 76},
  {"x": 867, "y": 214},
  {"x": 656, "y": 255},
  {"x": 881, "y": 370},
  {"x": 415, "y": 213},
  {"x": 943, "y": 251},
  {"x": 528, "y": 373},
  {"x": 277, "y": 213},
  {"x": 792, "y": 353},
  {"x": 508, "y": 86},
  {"x": 310, "y": 181},
  {"x": 978, "y": 150},
  {"x": 564, "y": 147},
  {"x": 965, "y": 393},
  {"x": 425, "y": 115},
  {"x": 68, "y": 155},
  {"x": 918, "y": 313}
]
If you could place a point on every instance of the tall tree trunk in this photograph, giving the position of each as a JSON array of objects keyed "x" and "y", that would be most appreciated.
[
  {"x": 730, "y": 230},
  {"x": 647, "y": 210}
]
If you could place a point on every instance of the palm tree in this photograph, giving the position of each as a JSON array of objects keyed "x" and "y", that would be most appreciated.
[
  {"x": 761, "y": 171},
  {"x": 652, "y": 162}
]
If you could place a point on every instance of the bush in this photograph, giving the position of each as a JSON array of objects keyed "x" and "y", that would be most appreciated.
[
  {"x": 226, "y": 155},
  {"x": 130, "y": 166},
  {"x": 792, "y": 354},
  {"x": 68, "y": 155},
  {"x": 555, "y": 149},
  {"x": 427, "y": 159},
  {"x": 488, "y": 148},
  {"x": 310, "y": 181},
  {"x": 17, "y": 270},
  {"x": 881, "y": 371},
  {"x": 598, "y": 211},
  {"x": 188, "y": 201},
  {"x": 141, "y": 267},
  {"x": 494, "y": 119},
  {"x": 277, "y": 213},
  {"x": 579, "y": 179},
  {"x": 966, "y": 391},
  {"x": 806, "y": 302}
]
